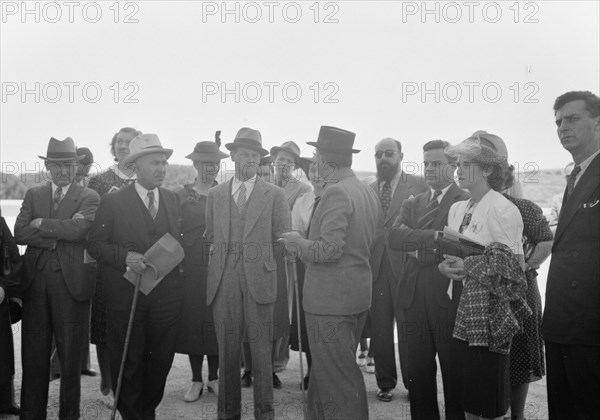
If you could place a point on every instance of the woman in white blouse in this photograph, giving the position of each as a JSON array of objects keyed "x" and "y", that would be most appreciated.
[{"x": 485, "y": 218}]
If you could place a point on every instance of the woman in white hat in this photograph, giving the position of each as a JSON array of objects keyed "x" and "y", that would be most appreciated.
[{"x": 197, "y": 332}]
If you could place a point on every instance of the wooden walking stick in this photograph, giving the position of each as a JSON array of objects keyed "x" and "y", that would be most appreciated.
[
  {"x": 138, "y": 279},
  {"x": 291, "y": 265}
]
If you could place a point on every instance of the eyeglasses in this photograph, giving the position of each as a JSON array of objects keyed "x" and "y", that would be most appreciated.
[{"x": 388, "y": 153}]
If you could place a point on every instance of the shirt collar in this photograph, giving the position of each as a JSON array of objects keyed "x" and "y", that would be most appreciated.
[
  {"x": 143, "y": 192},
  {"x": 586, "y": 163},
  {"x": 393, "y": 182},
  {"x": 441, "y": 196},
  {"x": 236, "y": 184},
  {"x": 64, "y": 189}
]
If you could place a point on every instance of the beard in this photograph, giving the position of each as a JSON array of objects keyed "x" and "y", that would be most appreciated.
[{"x": 387, "y": 172}]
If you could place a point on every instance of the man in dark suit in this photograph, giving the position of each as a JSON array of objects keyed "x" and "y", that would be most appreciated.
[
  {"x": 338, "y": 280},
  {"x": 392, "y": 186},
  {"x": 422, "y": 291},
  {"x": 57, "y": 286},
  {"x": 571, "y": 323},
  {"x": 127, "y": 224},
  {"x": 244, "y": 219}
]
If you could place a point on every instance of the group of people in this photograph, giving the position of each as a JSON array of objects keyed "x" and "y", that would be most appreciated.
[{"x": 365, "y": 257}]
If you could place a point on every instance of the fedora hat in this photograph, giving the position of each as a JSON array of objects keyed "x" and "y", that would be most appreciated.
[
  {"x": 247, "y": 137},
  {"x": 144, "y": 144},
  {"x": 290, "y": 147},
  {"x": 206, "y": 151},
  {"x": 61, "y": 151},
  {"x": 335, "y": 140}
]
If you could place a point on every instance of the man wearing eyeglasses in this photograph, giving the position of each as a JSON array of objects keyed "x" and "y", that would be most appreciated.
[{"x": 392, "y": 186}]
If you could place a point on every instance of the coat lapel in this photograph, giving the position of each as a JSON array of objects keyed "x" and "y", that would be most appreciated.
[
  {"x": 222, "y": 203},
  {"x": 172, "y": 213},
  {"x": 46, "y": 202},
  {"x": 69, "y": 203},
  {"x": 587, "y": 185},
  {"x": 256, "y": 204},
  {"x": 133, "y": 212},
  {"x": 404, "y": 189},
  {"x": 452, "y": 196}
]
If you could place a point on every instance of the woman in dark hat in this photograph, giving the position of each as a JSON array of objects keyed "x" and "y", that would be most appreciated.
[
  {"x": 9, "y": 283},
  {"x": 197, "y": 332},
  {"x": 114, "y": 178}
]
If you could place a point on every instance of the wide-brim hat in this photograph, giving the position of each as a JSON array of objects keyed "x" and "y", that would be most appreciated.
[
  {"x": 206, "y": 151},
  {"x": 481, "y": 147},
  {"x": 290, "y": 147},
  {"x": 335, "y": 140},
  {"x": 247, "y": 137},
  {"x": 61, "y": 151},
  {"x": 145, "y": 144}
]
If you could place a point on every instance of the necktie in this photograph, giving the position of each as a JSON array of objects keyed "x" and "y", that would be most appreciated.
[
  {"x": 430, "y": 212},
  {"x": 241, "y": 200},
  {"x": 58, "y": 196},
  {"x": 312, "y": 213},
  {"x": 151, "y": 205},
  {"x": 571, "y": 181},
  {"x": 386, "y": 197}
]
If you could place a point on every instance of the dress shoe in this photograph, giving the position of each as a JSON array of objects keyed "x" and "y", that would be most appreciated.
[
  {"x": 276, "y": 382},
  {"x": 213, "y": 386},
  {"x": 89, "y": 372},
  {"x": 195, "y": 392},
  {"x": 11, "y": 411},
  {"x": 385, "y": 395},
  {"x": 246, "y": 379}
]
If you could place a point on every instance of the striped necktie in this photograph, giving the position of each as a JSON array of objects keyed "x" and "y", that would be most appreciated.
[
  {"x": 152, "y": 205},
  {"x": 430, "y": 212},
  {"x": 241, "y": 200},
  {"x": 58, "y": 196},
  {"x": 571, "y": 181}
]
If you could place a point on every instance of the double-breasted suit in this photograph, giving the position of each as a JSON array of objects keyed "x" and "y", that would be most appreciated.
[
  {"x": 123, "y": 224},
  {"x": 242, "y": 286},
  {"x": 387, "y": 267},
  {"x": 429, "y": 312},
  {"x": 571, "y": 322},
  {"x": 57, "y": 287}
]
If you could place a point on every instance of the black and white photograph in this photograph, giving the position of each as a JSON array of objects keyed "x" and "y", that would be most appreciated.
[{"x": 300, "y": 210}]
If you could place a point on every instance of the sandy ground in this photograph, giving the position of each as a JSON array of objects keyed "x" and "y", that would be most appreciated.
[{"x": 288, "y": 400}]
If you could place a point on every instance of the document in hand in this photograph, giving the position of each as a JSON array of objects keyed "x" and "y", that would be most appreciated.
[
  {"x": 450, "y": 242},
  {"x": 164, "y": 256}
]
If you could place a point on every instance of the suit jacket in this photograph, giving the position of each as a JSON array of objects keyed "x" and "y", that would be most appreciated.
[
  {"x": 408, "y": 185},
  {"x": 572, "y": 311},
  {"x": 405, "y": 236},
  {"x": 59, "y": 232},
  {"x": 338, "y": 279},
  {"x": 119, "y": 228},
  {"x": 267, "y": 218}
]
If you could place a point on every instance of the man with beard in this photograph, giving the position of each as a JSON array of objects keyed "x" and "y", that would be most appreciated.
[
  {"x": 392, "y": 186},
  {"x": 422, "y": 289}
]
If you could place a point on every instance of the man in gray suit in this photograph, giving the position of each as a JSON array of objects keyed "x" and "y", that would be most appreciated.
[
  {"x": 392, "y": 186},
  {"x": 337, "y": 288},
  {"x": 244, "y": 218}
]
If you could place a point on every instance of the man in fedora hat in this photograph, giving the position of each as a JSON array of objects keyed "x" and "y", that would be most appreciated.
[
  {"x": 337, "y": 283},
  {"x": 244, "y": 218},
  {"x": 128, "y": 223},
  {"x": 57, "y": 285}
]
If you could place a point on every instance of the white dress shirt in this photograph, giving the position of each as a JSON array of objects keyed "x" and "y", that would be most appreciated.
[
  {"x": 143, "y": 193},
  {"x": 236, "y": 184}
]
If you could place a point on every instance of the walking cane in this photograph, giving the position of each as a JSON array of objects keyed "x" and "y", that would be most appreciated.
[
  {"x": 138, "y": 279},
  {"x": 294, "y": 280}
]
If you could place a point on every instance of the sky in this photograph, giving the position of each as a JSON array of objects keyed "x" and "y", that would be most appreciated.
[{"x": 413, "y": 71}]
